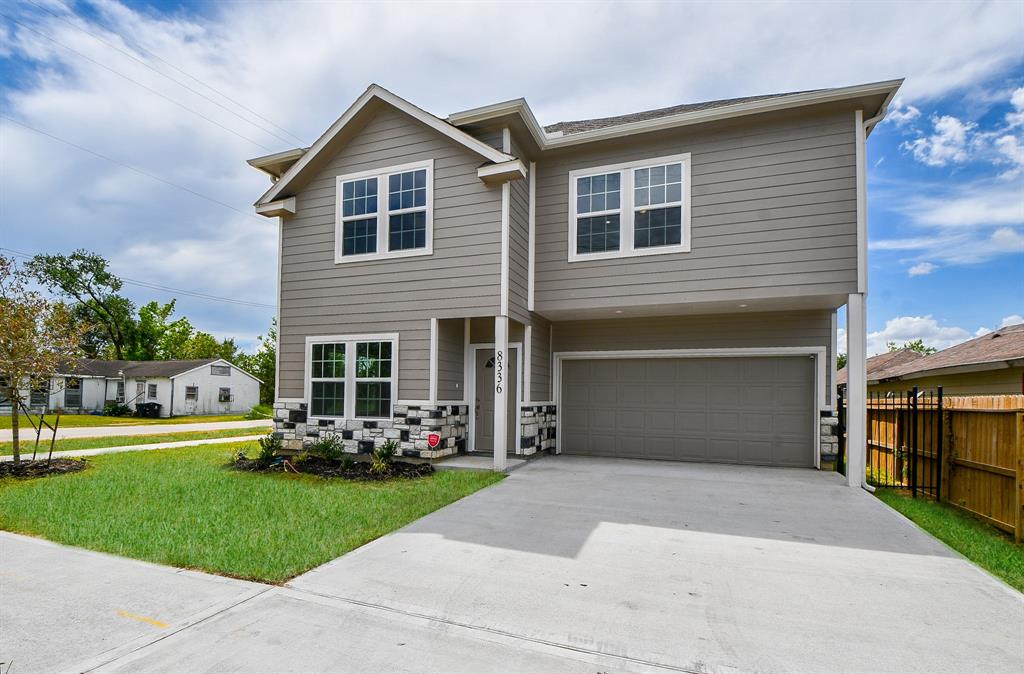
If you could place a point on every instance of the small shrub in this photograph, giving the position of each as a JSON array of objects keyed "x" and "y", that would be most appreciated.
[
  {"x": 328, "y": 447},
  {"x": 270, "y": 445},
  {"x": 116, "y": 409},
  {"x": 383, "y": 458},
  {"x": 347, "y": 462}
]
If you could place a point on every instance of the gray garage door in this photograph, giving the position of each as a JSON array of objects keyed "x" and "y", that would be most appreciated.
[{"x": 756, "y": 410}]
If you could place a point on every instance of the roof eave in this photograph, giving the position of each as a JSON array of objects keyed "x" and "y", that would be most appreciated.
[
  {"x": 375, "y": 91},
  {"x": 547, "y": 141}
]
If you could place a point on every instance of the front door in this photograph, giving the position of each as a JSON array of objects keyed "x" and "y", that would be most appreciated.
[{"x": 483, "y": 436}]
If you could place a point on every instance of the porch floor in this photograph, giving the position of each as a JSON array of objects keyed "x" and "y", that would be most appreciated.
[{"x": 477, "y": 461}]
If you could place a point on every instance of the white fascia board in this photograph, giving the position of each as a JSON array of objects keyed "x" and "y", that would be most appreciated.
[
  {"x": 271, "y": 164},
  {"x": 550, "y": 141},
  {"x": 503, "y": 172},
  {"x": 279, "y": 208},
  {"x": 375, "y": 91}
]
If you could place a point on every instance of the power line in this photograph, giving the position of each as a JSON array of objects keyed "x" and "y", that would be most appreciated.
[
  {"x": 168, "y": 289},
  {"x": 134, "y": 81},
  {"x": 181, "y": 84},
  {"x": 131, "y": 168}
]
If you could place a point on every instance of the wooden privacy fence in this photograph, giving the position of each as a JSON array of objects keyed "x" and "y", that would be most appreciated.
[{"x": 965, "y": 450}]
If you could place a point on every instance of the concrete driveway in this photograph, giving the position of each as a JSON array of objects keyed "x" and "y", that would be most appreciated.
[{"x": 575, "y": 564}]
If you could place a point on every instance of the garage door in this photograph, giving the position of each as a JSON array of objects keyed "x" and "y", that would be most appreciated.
[{"x": 752, "y": 410}]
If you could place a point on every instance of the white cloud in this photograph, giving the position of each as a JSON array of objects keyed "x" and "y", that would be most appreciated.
[
  {"x": 958, "y": 247},
  {"x": 1013, "y": 319},
  {"x": 904, "y": 329},
  {"x": 902, "y": 113},
  {"x": 922, "y": 269},
  {"x": 1015, "y": 118},
  {"x": 56, "y": 197},
  {"x": 948, "y": 144}
]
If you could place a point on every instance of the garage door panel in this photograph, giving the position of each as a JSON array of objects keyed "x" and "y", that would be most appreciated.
[
  {"x": 691, "y": 396},
  {"x": 752, "y": 410},
  {"x": 689, "y": 422}
]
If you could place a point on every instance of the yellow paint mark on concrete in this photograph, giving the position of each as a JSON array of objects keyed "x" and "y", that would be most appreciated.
[{"x": 143, "y": 619}]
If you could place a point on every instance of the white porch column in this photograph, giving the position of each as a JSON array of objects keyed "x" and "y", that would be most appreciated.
[
  {"x": 501, "y": 385},
  {"x": 856, "y": 367}
]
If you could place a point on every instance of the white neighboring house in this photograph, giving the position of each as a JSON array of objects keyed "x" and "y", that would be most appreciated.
[{"x": 207, "y": 386}]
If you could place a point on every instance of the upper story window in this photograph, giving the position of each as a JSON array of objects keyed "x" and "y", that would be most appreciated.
[
  {"x": 220, "y": 370},
  {"x": 637, "y": 208},
  {"x": 371, "y": 225}
]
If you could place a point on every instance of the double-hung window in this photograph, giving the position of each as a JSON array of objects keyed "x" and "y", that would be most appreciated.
[
  {"x": 385, "y": 213},
  {"x": 352, "y": 376},
  {"x": 637, "y": 208}
]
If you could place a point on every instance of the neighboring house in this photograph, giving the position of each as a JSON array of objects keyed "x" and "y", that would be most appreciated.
[
  {"x": 876, "y": 364},
  {"x": 207, "y": 386},
  {"x": 658, "y": 285},
  {"x": 992, "y": 364}
]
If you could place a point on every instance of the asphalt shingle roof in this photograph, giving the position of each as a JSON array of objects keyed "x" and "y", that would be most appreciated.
[
  {"x": 133, "y": 368},
  {"x": 882, "y": 361},
  {"x": 581, "y": 125}
]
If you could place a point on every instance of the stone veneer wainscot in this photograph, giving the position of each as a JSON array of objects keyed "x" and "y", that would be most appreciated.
[
  {"x": 537, "y": 429},
  {"x": 410, "y": 426}
]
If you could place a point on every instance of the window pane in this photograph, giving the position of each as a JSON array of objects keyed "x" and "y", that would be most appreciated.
[
  {"x": 641, "y": 177},
  {"x": 674, "y": 192},
  {"x": 658, "y": 185},
  {"x": 373, "y": 399},
  {"x": 673, "y": 173},
  {"x": 598, "y": 234},
  {"x": 359, "y": 237},
  {"x": 407, "y": 190},
  {"x": 408, "y": 231},
  {"x": 597, "y": 193},
  {"x": 328, "y": 399},
  {"x": 359, "y": 197},
  {"x": 373, "y": 359},
  {"x": 658, "y": 227},
  {"x": 328, "y": 361}
]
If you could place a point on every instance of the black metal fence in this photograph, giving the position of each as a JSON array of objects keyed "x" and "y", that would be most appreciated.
[{"x": 905, "y": 439}]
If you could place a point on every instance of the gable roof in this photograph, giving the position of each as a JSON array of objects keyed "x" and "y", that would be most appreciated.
[
  {"x": 881, "y": 362},
  {"x": 372, "y": 93},
  {"x": 1005, "y": 345},
  {"x": 114, "y": 369}
]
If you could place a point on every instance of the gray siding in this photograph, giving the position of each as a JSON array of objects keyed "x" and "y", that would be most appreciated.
[
  {"x": 790, "y": 328},
  {"x": 773, "y": 215},
  {"x": 319, "y": 297},
  {"x": 450, "y": 359},
  {"x": 540, "y": 361},
  {"x": 519, "y": 242}
]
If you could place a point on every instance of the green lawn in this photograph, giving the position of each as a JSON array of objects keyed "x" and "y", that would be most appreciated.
[
  {"x": 6, "y": 448},
  {"x": 183, "y": 507},
  {"x": 986, "y": 546},
  {"x": 80, "y": 420}
]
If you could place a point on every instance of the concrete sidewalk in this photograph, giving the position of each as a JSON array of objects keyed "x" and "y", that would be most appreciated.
[
  {"x": 135, "y": 448},
  {"x": 29, "y": 434}
]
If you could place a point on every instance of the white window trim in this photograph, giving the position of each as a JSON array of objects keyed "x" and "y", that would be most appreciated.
[
  {"x": 626, "y": 209},
  {"x": 350, "y": 372},
  {"x": 383, "y": 220},
  {"x": 155, "y": 391}
]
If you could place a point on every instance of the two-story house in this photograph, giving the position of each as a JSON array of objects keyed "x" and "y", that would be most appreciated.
[{"x": 658, "y": 285}]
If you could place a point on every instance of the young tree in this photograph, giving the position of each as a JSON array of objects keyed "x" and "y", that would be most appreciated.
[
  {"x": 85, "y": 278},
  {"x": 37, "y": 335},
  {"x": 915, "y": 345}
]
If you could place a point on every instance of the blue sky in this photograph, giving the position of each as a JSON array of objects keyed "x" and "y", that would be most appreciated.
[{"x": 186, "y": 91}]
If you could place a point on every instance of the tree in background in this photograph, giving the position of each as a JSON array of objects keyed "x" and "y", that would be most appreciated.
[
  {"x": 841, "y": 361},
  {"x": 115, "y": 329},
  {"x": 85, "y": 278},
  {"x": 37, "y": 335},
  {"x": 263, "y": 363},
  {"x": 916, "y": 345}
]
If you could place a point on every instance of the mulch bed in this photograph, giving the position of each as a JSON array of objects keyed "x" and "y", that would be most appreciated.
[
  {"x": 312, "y": 465},
  {"x": 27, "y": 469}
]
